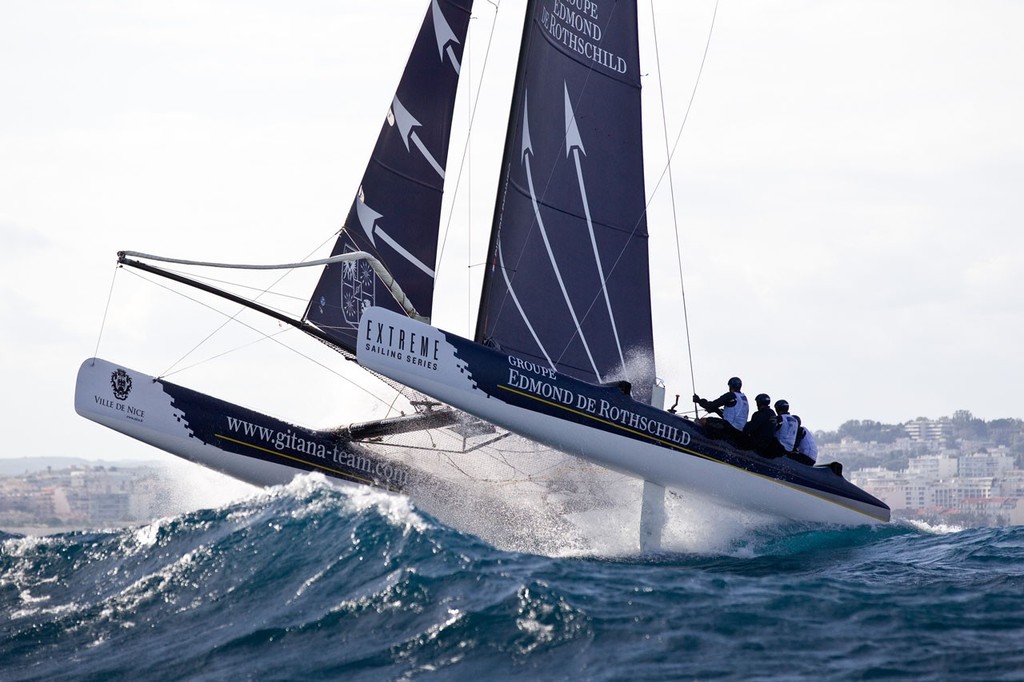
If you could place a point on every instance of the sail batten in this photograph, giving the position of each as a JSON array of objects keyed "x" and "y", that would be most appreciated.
[{"x": 568, "y": 278}]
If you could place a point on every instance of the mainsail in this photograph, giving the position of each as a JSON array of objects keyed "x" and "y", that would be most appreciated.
[
  {"x": 396, "y": 212},
  {"x": 568, "y": 281}
]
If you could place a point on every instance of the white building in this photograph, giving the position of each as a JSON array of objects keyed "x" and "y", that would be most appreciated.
[
  {"x": 928, "y": 429},
  {"x": 985, "y": 464},
  {"x": 932, "y": 483},
  {"x": 932, "y": 467}
]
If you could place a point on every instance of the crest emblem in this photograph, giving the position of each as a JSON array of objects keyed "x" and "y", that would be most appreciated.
[
  {"x": 358, "y": 289},
  {"x": 121, "y": 384}
]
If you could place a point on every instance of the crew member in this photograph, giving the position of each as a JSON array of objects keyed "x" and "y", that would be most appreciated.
[
  {"x": 760, "y": 429},
  {"x": 786, "y": 427},
  {"x": 731, "y": 406},
  {"x": 806, "y": 450}
]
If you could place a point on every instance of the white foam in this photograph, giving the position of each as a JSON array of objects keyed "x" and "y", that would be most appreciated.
[
  {"x": 397, "y": 509},
  {"x": 933, "y": 529}
]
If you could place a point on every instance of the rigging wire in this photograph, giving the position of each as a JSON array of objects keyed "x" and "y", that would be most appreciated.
[
  {"x": 379, "y": 268},
  {"x": 467, "y": 63},
  {"x": 463, "y": 159},
  {"x": 239, "y": 285},
  {"x": 264, "y": 335},
  {"x": 669, "y": 153},
  {"x": 106, "y": 309},
  {"x": 399, "y": 389},
  {"x": 169, "y": 369}
]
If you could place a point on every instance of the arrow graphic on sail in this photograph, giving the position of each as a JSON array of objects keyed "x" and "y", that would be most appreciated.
[
  {"x": 368, "y": 220},
  {"x": 519, "y": 306},
  {"x": 508, "y": 282},
  {"x": 574, "y": 145},
  {"x": 405, "y": 121},
  {"x": 527, "y": 153},
  {"x": 444, "y": 35}
]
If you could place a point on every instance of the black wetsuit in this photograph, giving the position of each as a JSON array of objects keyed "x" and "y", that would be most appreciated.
[{"x": 761, "y": 431}]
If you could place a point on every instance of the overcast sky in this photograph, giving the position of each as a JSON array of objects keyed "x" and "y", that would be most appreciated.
[{"x": 848, "y": 189}]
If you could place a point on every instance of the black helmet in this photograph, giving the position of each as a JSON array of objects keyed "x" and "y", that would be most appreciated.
[
  {"x": 735, "y": 383},
  {"x": 762, "y": 399},
  {"x": 782, "y": 406}
]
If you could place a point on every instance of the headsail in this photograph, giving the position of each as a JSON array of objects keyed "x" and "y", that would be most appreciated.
[
  {"x": 396, "y": 212},
  {"x": 568, "y": 275}
]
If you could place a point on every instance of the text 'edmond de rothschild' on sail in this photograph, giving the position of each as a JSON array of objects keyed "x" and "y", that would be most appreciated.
[
  {"x": 568, "y": 281},
  {"x": 396, "y": 212}
]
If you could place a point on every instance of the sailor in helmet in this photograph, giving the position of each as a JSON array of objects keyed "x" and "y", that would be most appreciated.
[
  {"x": 760, "y": 430},
  {"x": 731, "y": 406},
  {"x": 786, "y": 427}
]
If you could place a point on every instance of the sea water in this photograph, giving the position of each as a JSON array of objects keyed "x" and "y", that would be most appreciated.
[{"x": 307, "y": 582}]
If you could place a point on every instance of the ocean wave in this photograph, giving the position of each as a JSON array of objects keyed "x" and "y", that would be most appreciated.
[{"x": 308, "y": 580}]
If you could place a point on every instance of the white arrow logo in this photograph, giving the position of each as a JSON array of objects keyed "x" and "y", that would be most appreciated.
[
  {"x": 574, "y": 144},
  {"x": 444, "y": 35},
  {"x": 527, "y": 153},
  {"x": 368, "y": 220},
  {"x": 405, "y": 121}
]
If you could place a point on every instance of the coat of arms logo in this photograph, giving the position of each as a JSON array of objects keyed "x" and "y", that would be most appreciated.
[
  {"x": 358, "y": 285},
  {"x": 121, "y": 383}
]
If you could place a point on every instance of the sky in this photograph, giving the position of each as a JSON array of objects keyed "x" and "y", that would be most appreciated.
[{"x": 846, "y": 189}]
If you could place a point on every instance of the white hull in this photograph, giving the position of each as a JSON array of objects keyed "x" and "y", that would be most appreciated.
[
  {"x": 147, "y": 412},
  {"x": 448, "y": 378}
]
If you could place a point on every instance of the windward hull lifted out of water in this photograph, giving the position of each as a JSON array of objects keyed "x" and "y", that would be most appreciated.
[
  {"x": 603, "y": 425},
  {"x": 236, "y": 441}
]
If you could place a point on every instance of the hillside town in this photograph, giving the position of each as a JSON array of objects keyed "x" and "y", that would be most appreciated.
[
  {"x": 956, "y": 470},
  {"x": 41, "y": 498}
]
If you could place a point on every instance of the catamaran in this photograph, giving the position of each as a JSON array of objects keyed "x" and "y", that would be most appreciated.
[{"x": 561, "y": 366}]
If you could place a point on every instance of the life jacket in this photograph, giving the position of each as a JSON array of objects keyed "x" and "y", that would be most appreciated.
[
  {"x": 737, "y": 414},
  {"x": 806, "y": 446},
  {"x": 786, "y": 433}
]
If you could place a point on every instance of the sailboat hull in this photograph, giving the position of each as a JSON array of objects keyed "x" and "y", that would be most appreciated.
[
  {"x": 458, "y": 487},
  {"x": 604, "y": 425},
  {"x": 241, "y": 443}
]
